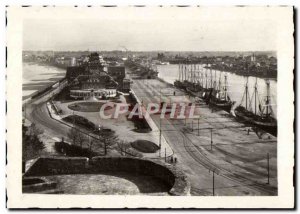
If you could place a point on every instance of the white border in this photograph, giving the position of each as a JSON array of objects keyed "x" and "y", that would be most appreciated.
[{"x": 285, "y": 138}]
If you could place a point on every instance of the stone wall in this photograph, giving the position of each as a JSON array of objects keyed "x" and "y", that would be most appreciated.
[
  {"x": 58, "y": 165},
  {"x": 170, "y": 175}
]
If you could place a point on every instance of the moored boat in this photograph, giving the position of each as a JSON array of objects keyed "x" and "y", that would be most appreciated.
[
  {"x": 262, "y": 116},
  {"x": 219, "y": 97}
]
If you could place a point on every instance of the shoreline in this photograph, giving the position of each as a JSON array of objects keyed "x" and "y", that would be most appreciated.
[
  {"x": 44, "y": 89},
  {"x": 243, "y": 75}
]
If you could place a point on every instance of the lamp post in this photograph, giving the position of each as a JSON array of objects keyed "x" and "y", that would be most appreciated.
[
  {"x": 99, "y": 129},
  {"x": 160, "y": 123}
]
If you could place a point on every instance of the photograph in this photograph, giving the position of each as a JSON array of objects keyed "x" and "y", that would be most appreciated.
[{"x": 154, "y": 102}]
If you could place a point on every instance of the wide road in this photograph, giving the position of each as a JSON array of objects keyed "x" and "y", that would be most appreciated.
[
  {"x": 38, "y": 113},
  {"x": 192, "y": 158}
]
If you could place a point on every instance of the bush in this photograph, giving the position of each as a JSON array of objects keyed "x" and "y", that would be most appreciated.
[
  {"x": 140, "y": 124},
  {"x": 145, "y": 146},
  {"x": 73, "y": 150},
  {"x": 81, "y": 121}
]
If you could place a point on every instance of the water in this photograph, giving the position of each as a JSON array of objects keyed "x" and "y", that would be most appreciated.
[
  {"x": 36, "y": 77},
  {"x": 236, "y": 83}
]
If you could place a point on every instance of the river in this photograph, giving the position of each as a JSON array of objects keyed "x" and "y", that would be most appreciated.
[
  {"x": 236, "y": 83},
  {"x": 36, "y": 77}
]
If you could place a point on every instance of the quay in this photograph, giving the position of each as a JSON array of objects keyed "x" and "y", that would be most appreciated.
[{"x": 214, "y": 145}]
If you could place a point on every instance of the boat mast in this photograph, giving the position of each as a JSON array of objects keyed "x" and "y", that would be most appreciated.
[
  {"x": 246, "y": 87},
  {"x": 189, "y": 73},
  {"x": 268, "y": 97},
  {"x": 195, "y": 80},
  {"x": 220, "y": 84},
  {"x": 202, "y": 79},
  {"x": 211, "y": 78},
  {"x": 225, "y": 87},
  {"x": 179, "y": 72},
  {"x": 184, "y": 72},
  {"x": 255, "y": 91},
  {"x": 194, "y": 73},
  {"x": 206, "y": 78},
  {"x": 215, "y": 84}
]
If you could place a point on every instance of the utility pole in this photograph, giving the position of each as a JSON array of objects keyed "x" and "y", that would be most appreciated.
[
  {"x": 268, "y": 158},
  {"x": 89, "y": 142},
  {"x": 165, "y": 154},
  {"x": 25, "y": 111},
  {"x": 160, "y": 124},
  {"x": 159, "y": 133},
  {"x": 213, "y": 180},
  {"x": 198, "y": 127},
  {"x": 211, "y": 139},
  {"x": 247, "y": 94},
  {"x": 105, "y": 149},
  {"x": 192, "y": 125}
]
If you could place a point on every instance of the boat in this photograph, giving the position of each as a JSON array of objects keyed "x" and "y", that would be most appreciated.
[
  {"x": 193, "y": 81},
  {"x": 181, "y": 83},
  {"x": 262, "y": 116},
  {"x": 220, "y": 98}
]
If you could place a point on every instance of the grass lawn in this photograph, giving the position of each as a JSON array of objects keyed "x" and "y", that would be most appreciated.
[{"x": 86, "y": 106}]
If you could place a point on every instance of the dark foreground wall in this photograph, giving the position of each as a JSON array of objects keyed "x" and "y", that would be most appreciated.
[{"x": 173, "y": 177}]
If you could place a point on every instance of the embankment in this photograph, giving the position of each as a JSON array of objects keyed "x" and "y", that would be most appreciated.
[{"x": 170, "y": 175}]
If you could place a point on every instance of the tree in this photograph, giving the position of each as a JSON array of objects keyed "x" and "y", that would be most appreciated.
[
  {"x": 77, "y": 137},
  {"x": 91, "y": 142},
  {"x": 34, "y": 131},
  {"x": 31, "y": 144},
  {"x": 72, "y": 135},
  {"x": 81, "y": 138},
  {"x": 122, "y": 146},
  {"x": 108, "y": 139}
]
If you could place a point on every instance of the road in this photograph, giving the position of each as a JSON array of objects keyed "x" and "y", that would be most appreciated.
[
  {"x": 193, "y": 152},
  {"x": 38, "y": 113}
]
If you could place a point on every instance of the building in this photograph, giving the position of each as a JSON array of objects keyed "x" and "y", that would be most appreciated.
[
  {"x": 118, "y": 74},
  {"x": 90, "y": 80}
]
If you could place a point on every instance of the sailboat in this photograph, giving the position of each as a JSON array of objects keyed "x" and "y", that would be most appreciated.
[
  {"x": 263, "y": 115},
  {"x": 207, "y": 89},
  {"x": 220, "y": 97},
  {"x": 181, "y": 77}
]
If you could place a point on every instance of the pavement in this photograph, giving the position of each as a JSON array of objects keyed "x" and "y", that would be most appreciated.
[{"x": 235, "y": 161}]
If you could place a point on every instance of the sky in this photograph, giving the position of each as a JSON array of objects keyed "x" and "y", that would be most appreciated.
[{"x": 150, "y": 29}]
